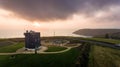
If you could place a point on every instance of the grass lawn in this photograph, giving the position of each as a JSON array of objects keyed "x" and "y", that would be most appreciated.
[
  {"x": 99, "y": 56},
  {"x": 55, "y": 48},
  {"x": 11, "y": 48},
  {"x": 104, "y": 57},
  {"x": 65, "y": 59},
  {"x": 104, "y": 40},
  {"x": 6, "y": 43}
]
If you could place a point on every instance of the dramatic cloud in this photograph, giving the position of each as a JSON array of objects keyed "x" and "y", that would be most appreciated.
[
  {"x": 111, "y": 15},
  {"x": 46, "y": 10}
]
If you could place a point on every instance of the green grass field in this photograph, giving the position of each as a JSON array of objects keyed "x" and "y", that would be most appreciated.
[
  {"x": 104, "y": 57},
  {"x": 97, "y": 56},
  {"x": 6, "y": 43},
  {"x": 11, "y": 48},
  {"x": 104, "y": 40},
  {"x": 66, "y": 59},
  {"x": 55, "y": 48}
]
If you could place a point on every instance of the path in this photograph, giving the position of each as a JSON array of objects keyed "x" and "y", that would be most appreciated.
[{"x": 19, "y": 51}]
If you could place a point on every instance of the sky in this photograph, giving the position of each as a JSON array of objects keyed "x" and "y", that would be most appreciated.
[{"x": 60, "y": 16}]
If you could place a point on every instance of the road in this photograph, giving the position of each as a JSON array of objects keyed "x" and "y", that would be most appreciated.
[{"x": 102, "y": 44}]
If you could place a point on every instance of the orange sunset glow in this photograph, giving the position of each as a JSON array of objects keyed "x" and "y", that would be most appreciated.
[{"x": 13, "y": 23}]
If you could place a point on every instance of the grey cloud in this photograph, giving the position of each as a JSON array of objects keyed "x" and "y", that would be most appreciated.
[
  {"x": 111, "y": 15},
  {"x": 46, "y": 10},
  {"x": 115, "y": 17}
]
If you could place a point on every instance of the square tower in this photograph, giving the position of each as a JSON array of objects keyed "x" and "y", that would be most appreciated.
[{"x": 32, "y": 40}]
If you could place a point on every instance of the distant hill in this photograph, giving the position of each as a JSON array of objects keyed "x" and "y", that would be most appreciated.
[{"x": 97, "y": 32}]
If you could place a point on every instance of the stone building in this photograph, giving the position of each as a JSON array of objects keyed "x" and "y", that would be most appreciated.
[{"x": 32, "y": 40}]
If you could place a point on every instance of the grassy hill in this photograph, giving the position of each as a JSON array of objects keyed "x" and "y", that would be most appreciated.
[
  {"x": 66, "y": 59},
  {"x": 97, "y": 32},
  {"x": 11, "y": 48},
  {"x": 87, "y": 55},
  {"x": 109, "y": 41},
  {"x": 104, "y": 57},
  {"x": 55, "y": 48}
]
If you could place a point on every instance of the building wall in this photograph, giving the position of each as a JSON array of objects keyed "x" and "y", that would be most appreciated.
[{"x": 32, "y": 40}]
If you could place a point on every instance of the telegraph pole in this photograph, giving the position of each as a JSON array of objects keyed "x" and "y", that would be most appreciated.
[{"x": 54, "y": 34}]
